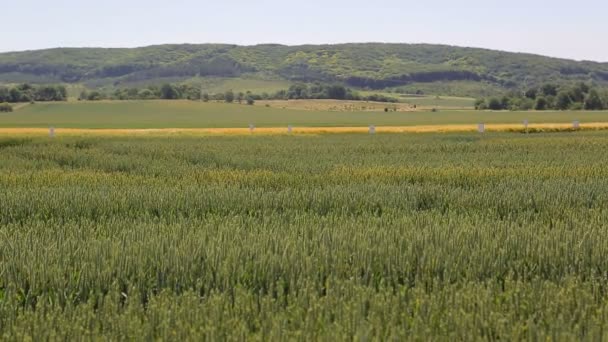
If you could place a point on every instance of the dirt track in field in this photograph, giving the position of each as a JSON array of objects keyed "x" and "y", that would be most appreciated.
[{"x": 548, "y": 127}]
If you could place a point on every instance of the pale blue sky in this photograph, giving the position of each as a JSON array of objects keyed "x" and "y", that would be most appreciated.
[{"x": 570, "y": 29}]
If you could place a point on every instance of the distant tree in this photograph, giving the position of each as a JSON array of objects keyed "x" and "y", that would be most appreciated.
[
  {"x": 526, "y": 104},
  {"x": 132, "y": 93},
  {"x": 47, "y": 93},
  {"x": 239, "y": 97},
  {"x": 495, "y": 104},
  {"x": 583, "y": 87},
  {"x": 146, "y": 94},
  {"x": 84, "y": 95},
  {"x": 576, "y": 94},
  {"x": 563, "y": 100},
  {"x": 250, "y": 100},
  {"x": 62, "y": 93},
  {"x": 593, "y": 101},
  {"x": 280, "y": 95},
  {"x": 298, "y": 91},
  {"x": 95, "y": 96},
  {"x": 336, "y": 92},
  {"x": 120, "y": 94},
  {"x": 550, "y": 101},
  {"x": 505, "y": 102},
  {"x": 169, "y": 92},
  {"x": 576, "y": 106},
  {"x": 205, "y": 97},
  {"x": 480, "y": 104},
  {"x": 541, "y": 103},
  {"x": 229, "y": 96},
  {"x": 5, "y": 108},
  {"x": 25, "y": 87},
  {"x": 531, "y": 93},
  {"x": 5, "y": 95},
  {"x": 549, "y": 89},
  {"x": 15, "y": 95}
]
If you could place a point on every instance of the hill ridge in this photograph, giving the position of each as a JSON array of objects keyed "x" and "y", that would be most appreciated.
[{"x": 360, "y": 65}]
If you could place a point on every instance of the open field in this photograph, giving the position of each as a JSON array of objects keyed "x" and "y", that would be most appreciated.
[
  {"x": 452, "y": 236},
  {"x": 188, "y": 114}
]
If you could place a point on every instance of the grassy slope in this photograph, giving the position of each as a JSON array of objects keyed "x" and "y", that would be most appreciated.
[
  {"x": 210, "y": 85},
  {"x": 187, "y": 114}
]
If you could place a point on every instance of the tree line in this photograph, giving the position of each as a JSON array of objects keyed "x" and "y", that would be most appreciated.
[
  {"x": 190, "y": 92},
  {"x": 549, "y": 97},
  {"x": 29, "y": 93}
]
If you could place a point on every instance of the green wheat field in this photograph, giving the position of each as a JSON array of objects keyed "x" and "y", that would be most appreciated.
[{"x": 452, "y": 236}]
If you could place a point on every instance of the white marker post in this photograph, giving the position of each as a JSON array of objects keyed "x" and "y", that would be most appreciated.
[
  {"x": 289, "y": 129},
  {"x": 251, "y": 128},
  {"x": 481, "y": 128},
  {"x": 372, "y": 129},
  {"x": 576, "y": 125},
  {"x": 51, "y": 132},
  {"x": 526, "y": 125}
]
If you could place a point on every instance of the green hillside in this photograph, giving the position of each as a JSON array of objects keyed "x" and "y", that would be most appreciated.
[{"x": 429, "y": 68}]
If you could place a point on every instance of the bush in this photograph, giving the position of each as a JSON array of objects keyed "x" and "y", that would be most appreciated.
[
  {"x": 495, "y": 104},
  {"x": 480, "y": 104},
  {"x": 94, "y": 96},
  {"x": 229, "y": 96},
  {"x": 5, "y": 108},
  {"x": 541, "y": 103}
]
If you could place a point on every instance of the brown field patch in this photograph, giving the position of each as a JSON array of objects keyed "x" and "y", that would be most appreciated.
[{"x": 337, "y": 105}]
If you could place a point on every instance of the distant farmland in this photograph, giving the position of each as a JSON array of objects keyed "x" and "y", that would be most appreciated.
[{"x": 188, "y": 114}]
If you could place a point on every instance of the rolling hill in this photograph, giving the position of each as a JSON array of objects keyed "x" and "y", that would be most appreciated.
[{"x": 430, "y": 68}]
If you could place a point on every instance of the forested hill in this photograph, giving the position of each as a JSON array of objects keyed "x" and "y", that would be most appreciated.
[{"x": 374, "y": 66}]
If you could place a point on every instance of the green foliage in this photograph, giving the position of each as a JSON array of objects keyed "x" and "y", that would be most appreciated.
[
  {"x": 373, "y": 66},
  {"x": 593, "y": 101},
  {"x": 229, "y": 96},
  {"x": 550, "y": 96},
  {"x": 169, "y": 92},
  {"x": 495, "y": 104},
  {"x": 481, "y": 104},
  {"x": 334, "y": 237},
  {"x": 27, "y": 93},
  {"x": 541, "y": 103},
  {"x": 549, "y": 89},
  {"x": 563, "y": 100},
  {"x": 95, "y": 96},
  {"x": 5, "y": 108}
]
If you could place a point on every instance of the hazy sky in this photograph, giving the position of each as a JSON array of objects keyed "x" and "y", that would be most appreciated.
[{"x": 570, "y": 29}]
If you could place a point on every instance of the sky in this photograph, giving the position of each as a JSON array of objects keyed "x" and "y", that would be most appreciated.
[{"x": 558, "y": 28}]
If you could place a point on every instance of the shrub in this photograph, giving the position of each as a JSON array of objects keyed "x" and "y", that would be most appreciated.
[{"x": 5, "y": 108}]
